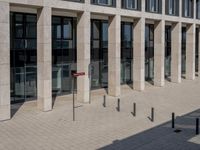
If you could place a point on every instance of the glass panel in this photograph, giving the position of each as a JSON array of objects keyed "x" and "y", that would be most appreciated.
[
  {"x": 67, "y": 29},
  {"x": 167, "y": 51},
  {"x": 31, "y": 30},
  {"x": 18, "y": 17},
  {"x": 126, "y": 52},
  {"x": 56, "y": 79},
  {"x": 63, "y": 54},
  {"x": 149, "y": 52},
  {"x": 197, "y": 50},
  {"x": 132, "y": 4},
  {"x": 19, "y": 84},
  {"x": 31, "y": 18},
  {"x": 31, "y": 82},
  {"x": 18, "y": 30},
  {"x": 23, "y": 57},
  {"x": 198, "y": 9},
  {"x": 183, "y": 60},
  {"x": 99, "y": 52},
  {"x": 67, "y": 78},
  {"x": 105, "y": 35}
]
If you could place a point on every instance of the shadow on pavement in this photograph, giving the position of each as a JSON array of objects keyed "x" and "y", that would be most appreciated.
[
  {"x": 162, "y": 137},
  {"x": 15, "y": 108}
]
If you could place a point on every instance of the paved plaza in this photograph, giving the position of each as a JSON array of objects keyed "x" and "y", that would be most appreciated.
[{"x": 104, "y": 128}]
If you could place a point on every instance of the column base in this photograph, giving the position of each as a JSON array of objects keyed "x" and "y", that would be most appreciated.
[{"x": 5, "y": 112}]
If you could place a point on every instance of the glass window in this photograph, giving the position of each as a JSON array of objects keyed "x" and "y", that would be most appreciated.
[
  {"x": 67, "y": 31},
  {"x": 18, "y": 30},
  {"x": 198, "y": 9},
  {"x": 104, "y": 2},
  {"x": 154, "y": 6},
  {"x": 172, "y": 7},
  {"x": 99, "y": 53},
  {"x": 23, "y": 57},
  {"x": 63, "y": 53},
  {"x": 105, "y": 35},
  {"x": 188, "y": 8},
  {"x": 132, "y": 4},
  {"x": 95, "y": 30}
]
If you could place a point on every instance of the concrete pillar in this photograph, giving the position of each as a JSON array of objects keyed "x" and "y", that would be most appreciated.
[
  {"x": 114, "y": 59},
  {"x": 159, "y": 53},
  {"x": 199, "y": 55},
  {"x": 4, "y": 61},
  {"x": 138, "y": 55},
  {"x": 190, "y": 52},
  {"x": 176, "y": 53},
  {"x": 83, "y": 56},
  {"x": 44, "y": 62}
]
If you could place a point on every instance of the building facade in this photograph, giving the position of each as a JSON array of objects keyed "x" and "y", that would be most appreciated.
[{"x": 114, "y": 42}]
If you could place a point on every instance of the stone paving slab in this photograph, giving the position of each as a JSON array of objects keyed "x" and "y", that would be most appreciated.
[{"x": 97, "y": 127}]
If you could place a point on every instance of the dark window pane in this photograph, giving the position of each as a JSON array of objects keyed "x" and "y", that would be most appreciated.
[
  {"x": 18, "y": 30},
  {"x": 31, "y": 18},
  {"x": 67, "y": 29},
  {"x": 31, "y": 30}
]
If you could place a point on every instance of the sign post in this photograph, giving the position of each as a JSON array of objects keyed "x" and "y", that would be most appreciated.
[{"x": 75, "y": 75}]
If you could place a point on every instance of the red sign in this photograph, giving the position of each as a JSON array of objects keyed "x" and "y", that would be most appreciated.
[{"x": 78, "y": 74}]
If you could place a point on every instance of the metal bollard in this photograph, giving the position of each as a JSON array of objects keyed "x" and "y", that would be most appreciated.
[
  {"x": 118, "y": 105},
  {"x": 173, "y": 121},
  {"x": 197, "y": 126},
  {"x": 104, "y": 101},
  {"x": 134, "y": 109},
  {"x": 152, "y": 114}
]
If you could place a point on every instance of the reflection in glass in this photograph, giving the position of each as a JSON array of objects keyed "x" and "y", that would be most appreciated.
[
  {"x": 167, "y": 51},
  {"x": 23, "y": 57},
  {"x": 99, "y": 53},
  {"x": 183, "y": 47},
  {"x": 126, "y": 52},
  {"x": 149, "y": 52},
  {"x": 63, "y": 54}
]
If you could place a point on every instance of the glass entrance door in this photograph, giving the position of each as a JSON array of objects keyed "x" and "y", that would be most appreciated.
[
  {"x": 149, "y": 52},
  {"x": 167, "y": 51},
  {"x": 126, "y": 52},
  {"x": 63, "y": 54},
  {"x": 23, "y": 57},
  {"x": 99, "y": 54}
]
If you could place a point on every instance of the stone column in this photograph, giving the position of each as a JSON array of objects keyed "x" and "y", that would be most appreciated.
[
  {"x": 114, "y": 58},
  {"x": 138, "y": 54},
  {"x": 4, "y": 61},
  {"x": 44, "y": 62},
  {"x": 83, "y": 56},
  {"x": 176, "y": 52},
  {"x": 159, "y": 53},
  {"x": 190, "y": 52}
]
